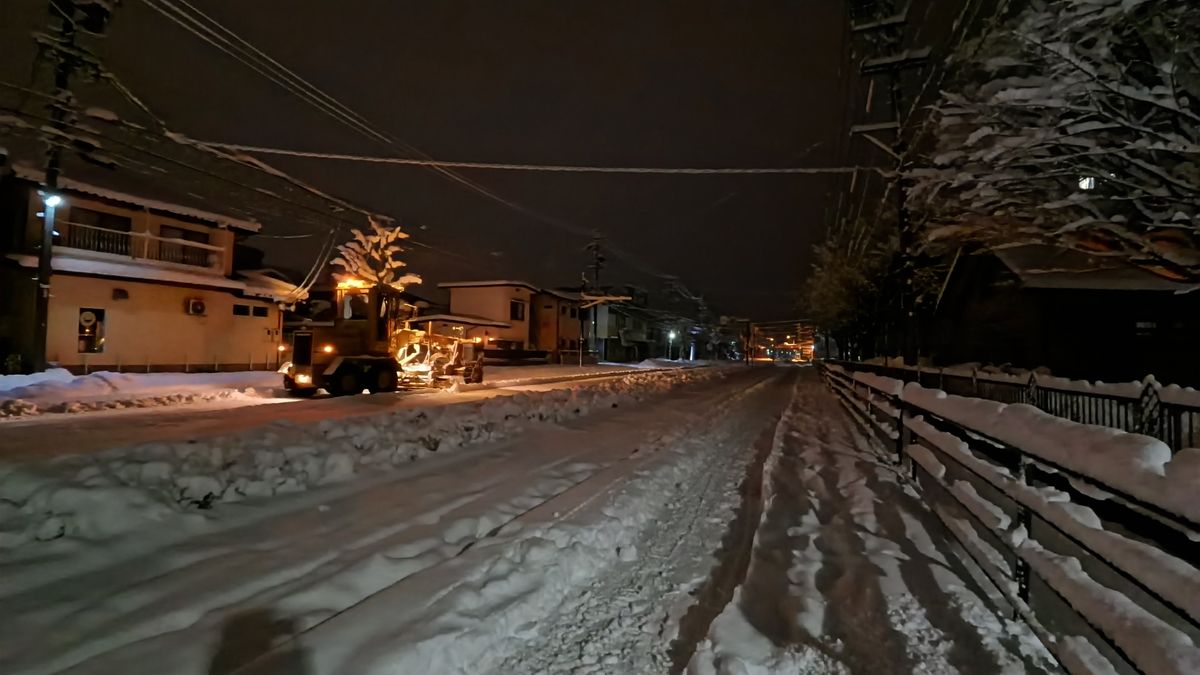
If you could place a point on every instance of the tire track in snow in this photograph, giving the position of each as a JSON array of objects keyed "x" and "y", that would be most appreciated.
[
  {"x": 623, "y": 623},
  {"x": 839, "y": 526}
]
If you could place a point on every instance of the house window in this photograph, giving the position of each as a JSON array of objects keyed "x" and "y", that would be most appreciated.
[
  {"x": 1087, "y": 183},
  {"x": 516, "y": 310},
  {"x": 241, "y": 310},
  {"x": 259, "y": 311},
  {"x": 100, "y": 219},
  {"x": 564, "y": 309},
  {"x": 182, "y": 253},
  {"x": 574, "y": 312},
  {"x": 91, "y": 330},
  {"x": 98, "y": 231}
]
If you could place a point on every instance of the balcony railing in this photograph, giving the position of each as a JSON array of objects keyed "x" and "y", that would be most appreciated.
[{"x": 140, "y": 246}]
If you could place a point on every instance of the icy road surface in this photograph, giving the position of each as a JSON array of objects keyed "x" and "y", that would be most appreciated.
[{"x": 737, "y": 525}]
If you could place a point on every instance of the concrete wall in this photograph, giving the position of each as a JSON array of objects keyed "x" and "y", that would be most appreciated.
[
  {"x": 492, "y": 302},
  {"x": 152, "y": 328}
]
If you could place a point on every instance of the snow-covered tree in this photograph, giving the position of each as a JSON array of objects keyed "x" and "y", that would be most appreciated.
[
  {"x": 374, "y": 257},
  {"x": 1076, "y": 124},
  {"x": 843, "y": 291}
]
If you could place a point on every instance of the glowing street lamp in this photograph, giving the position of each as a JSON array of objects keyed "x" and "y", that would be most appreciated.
[{"x": 670, "y": 344}]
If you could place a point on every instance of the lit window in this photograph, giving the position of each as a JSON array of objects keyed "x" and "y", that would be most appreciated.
[
  {"x": 91, "y": 330},
  {"x": 1087, "y": 183}
]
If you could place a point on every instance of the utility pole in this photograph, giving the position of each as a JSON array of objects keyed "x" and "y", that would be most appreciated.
[
  {"x": 71, "y": 15},
  {"x": 882, "y": 23},
  {"x": 594, "y": 247}
]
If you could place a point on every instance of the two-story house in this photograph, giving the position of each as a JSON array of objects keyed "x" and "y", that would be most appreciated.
[
  {"x": 137, "y": 284},
  {"x": 512, "y": 319}
]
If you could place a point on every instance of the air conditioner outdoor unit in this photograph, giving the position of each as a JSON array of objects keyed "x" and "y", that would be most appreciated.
[{"x": 195, "y": 306}]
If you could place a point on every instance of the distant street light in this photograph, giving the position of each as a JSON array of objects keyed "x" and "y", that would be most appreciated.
[{"x": 670, "y": 344}]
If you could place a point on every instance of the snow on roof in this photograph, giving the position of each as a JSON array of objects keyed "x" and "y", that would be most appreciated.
[
  {"x": 255, "y": 287},
  {"x": 465, "y": 319},
  {"x": 1051, "y": 267},
  {"x": 267, "y": 283},
  {"x": 565, "y": 295},
  {"x": 36, "y": 175},
  {"x": 499, "y": 282}
]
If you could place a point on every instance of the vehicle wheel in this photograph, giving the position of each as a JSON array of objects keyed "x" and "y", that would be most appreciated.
[
  {"x": 473, "y": 373},
  {"x": 382, "y": 380},
  {"x": 302, "y": 393},
  {"x": 343, "y": 383}
]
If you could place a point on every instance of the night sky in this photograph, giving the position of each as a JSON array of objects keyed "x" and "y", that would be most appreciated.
[{"x": 678, "y": 83}]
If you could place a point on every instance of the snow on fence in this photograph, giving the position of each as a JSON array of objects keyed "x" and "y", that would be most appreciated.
[
  {"x": 1090, "y": 534},
  {"x": 1169, "y": 413}
]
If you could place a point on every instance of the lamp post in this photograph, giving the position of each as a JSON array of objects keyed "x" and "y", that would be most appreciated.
[{"x": 670, "y": 345}]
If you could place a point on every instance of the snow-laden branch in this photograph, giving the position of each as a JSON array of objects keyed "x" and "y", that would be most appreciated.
[
  {"x": 373, "y": 257},
  {"x": 1075, "y": 125}
]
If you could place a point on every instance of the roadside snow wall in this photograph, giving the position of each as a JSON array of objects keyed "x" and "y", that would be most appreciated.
[{"x": 101, "y": 495}]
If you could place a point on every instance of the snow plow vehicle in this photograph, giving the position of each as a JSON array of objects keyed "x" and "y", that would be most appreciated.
[{"x": 370, "y": 346}]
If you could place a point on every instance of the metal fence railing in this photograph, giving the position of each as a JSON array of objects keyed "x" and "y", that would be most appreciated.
[
  {"x": 1020, "y": 517},
  {"x": 1146, "y": 408},
  {"x": 141, "y": 245}
]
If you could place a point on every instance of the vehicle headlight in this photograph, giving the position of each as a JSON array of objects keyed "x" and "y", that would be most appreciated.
[{"x": 303, "y": 379}]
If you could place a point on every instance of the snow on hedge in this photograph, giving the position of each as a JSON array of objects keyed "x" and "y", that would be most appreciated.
[
  {"x": 58, "y": 391},
  {"x": 105, "y": 494}
]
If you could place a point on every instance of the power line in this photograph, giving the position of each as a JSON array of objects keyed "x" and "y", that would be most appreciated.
[
  {"x": 219, "y": 37},
  {"x": 560, "y": 168}
]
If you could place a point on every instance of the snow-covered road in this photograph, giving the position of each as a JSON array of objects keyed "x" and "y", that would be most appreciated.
[
  {"x": 851, "y": 572},
  {"x": 735, "y": 525}
]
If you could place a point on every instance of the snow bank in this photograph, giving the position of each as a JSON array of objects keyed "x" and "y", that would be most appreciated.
[
  {"x": 10, "y": 382},
  {"x": 105, "y": 494},
  {"x": 58, "y": 391}
]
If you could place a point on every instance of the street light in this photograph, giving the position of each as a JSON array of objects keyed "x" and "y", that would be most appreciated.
[{"x": 670, "y": 344}]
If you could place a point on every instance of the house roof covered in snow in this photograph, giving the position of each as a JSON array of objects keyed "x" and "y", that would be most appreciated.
[
  {"x": 137, "y": 160},
  {"x": 70, "y": 185},
  {"x": 1040, "y": 266},
  {"x": 565, "y": 295},
  {"x": 253, "y": 285},
  {"x": 488, "y": 283}
]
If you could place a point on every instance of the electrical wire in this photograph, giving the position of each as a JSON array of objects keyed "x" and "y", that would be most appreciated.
[
  {"x": 561, "y": 168},
  {"x": 314, "y": 96}
]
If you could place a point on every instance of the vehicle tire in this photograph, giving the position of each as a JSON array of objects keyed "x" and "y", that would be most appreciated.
[
  {"x": 382, "y": 379},
  {"x": 302, "y": 393},
  {"x": 473, "y": 373},
  {"x": 344, "y": 382}
]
